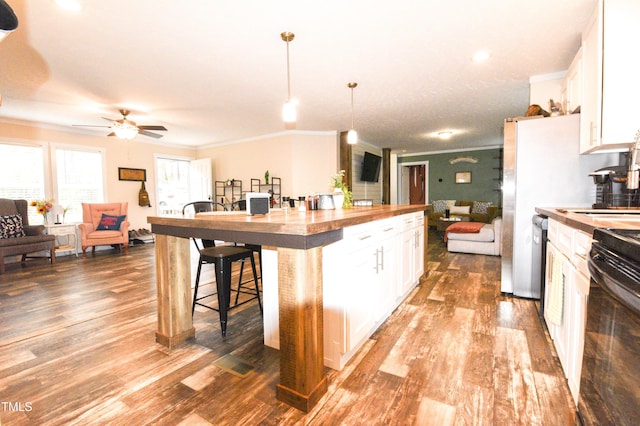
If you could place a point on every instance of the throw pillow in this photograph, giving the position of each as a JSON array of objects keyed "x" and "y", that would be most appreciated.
[
  {"x": 439, "y": 206},
  {"x": 450, "y": 203},
  {"x": 480, "y": 207},
  {"x": 11, "y": 226},
  {"x": 460, "y": 209},
  {"x": 110, "y": 223}
]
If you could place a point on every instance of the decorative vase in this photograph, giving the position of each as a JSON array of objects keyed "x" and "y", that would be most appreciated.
[
  {"x": 45, "y": 220},
  {"x": 338, "y": 198}
]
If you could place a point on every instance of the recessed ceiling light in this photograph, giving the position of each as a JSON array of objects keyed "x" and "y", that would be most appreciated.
[
  {"x": 446, "y": 134},
  {"x": 73, "y": 5},
  {"x": 481, "y": 55}
]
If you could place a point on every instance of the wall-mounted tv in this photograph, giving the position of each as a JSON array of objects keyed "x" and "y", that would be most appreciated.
[{"x": 370, "y": 167}]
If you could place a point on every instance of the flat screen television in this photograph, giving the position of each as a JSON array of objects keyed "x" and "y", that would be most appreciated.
[{"x": 370, "y": 167}]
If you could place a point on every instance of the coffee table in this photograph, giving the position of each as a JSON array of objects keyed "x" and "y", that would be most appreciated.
[{"x": 445, "y": 222}]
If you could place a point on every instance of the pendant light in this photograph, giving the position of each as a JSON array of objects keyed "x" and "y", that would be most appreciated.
[
  {"x": 289, "y": 109},
  {"x": 352, "y": 135},
  {"x": 8, "y": 19}
]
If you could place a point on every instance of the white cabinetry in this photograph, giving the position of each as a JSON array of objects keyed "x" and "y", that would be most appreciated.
[
  {"x": 570, "y": 247},
  {"x": 609, "y": 73},
  {"x": 362, "y": 277},
  {"x": 360, "y": 293},
  {"x": 412, "y": 257}
]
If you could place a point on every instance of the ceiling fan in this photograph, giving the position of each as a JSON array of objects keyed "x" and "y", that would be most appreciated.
[{"x": 127, "y": 129}]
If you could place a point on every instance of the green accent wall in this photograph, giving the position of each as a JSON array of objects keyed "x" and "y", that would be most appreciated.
[{"x": 485, "y": 175}]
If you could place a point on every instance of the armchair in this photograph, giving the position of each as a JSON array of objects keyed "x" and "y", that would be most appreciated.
[
  {"x": 34, "y": 238},
  {"x": 92, "y": 235}
]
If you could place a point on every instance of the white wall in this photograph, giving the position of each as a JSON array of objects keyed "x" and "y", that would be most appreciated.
[
  {"x": 543, "y": 87},
  {"x": 304, "y": 161}
]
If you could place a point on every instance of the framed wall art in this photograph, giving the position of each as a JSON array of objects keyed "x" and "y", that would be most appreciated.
[
  {"x": 463, "y": 177},
  {"x": 137, "y": 175}
]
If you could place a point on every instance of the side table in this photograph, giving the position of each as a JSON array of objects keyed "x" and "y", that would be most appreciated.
[{"x": 67, "y": 230}]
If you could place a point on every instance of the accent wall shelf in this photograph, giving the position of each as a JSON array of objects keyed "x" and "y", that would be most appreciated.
[{"x": 228, "y": 191}]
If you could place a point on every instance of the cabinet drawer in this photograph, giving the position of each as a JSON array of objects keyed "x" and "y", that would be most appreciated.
[
  {"x": 580, "y": 252},
  {"x": 564, "y": 240}
]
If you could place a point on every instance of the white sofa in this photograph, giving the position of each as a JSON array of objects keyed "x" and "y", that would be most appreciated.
[{"x": 487, "y": 241}]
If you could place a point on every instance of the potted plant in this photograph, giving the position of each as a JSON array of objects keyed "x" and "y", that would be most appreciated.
[{"x": 341, "y": 193}]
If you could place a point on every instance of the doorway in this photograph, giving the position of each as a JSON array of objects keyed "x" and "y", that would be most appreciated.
[
  {"x": 416, "y": 184},
  {"x": 413, "y": 185}
]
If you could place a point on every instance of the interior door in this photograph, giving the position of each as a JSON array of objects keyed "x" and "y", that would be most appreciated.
[
  {"x": 201, "y": 184},
  {"x": 417, "y": 184}
]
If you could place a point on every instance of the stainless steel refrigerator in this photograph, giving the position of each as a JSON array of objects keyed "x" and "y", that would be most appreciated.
[{"x": 542, "y": 168}]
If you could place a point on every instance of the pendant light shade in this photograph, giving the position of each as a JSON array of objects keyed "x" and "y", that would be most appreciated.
[
  {"x": 289, "y": 114},
  {"x": 352, "y": 135},
  {"x": 8, "y": 19}
]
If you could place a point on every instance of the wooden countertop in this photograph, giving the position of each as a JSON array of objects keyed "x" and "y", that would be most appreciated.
[
  {"x": 587, "y": 223},
  {"x": 291, "y": 229}
]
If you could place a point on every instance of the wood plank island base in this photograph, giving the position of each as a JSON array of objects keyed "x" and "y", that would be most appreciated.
[{"x": 298, "y": 238}]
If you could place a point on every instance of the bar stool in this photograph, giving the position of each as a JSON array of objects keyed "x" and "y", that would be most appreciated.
[{"x": 223, "y": 257}]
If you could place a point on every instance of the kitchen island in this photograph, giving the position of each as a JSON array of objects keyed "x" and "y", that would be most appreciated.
[{"x": 298, "y": 238}]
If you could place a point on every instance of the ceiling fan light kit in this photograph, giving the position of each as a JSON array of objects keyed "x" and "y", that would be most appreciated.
[
  {"x": 352, "y": 135},
  {"x": 127, "y": 129},
  {"x": 289, "y": 114}
]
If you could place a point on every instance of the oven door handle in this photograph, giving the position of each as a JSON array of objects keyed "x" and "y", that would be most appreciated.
[{"x": 611, "y": 280}]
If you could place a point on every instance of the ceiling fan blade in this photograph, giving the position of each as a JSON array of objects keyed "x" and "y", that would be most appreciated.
[
  {"x": 112, "y": 134},
  {"x": 150, "y": 134},
  {"x": 87, "y": 125},
  {"x": 152, "y": 128},
  {"x": 108, "y": 119}
]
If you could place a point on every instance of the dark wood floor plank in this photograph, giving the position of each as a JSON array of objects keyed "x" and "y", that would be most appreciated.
[{"x": 77, "y": 342}]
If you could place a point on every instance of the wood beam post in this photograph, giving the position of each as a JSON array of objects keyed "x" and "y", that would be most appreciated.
[
  {"x": 302, "y": 379},
  {"x": 173, "y": 280}
]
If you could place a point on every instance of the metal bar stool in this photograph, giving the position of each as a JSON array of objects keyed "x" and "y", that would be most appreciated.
[{"x": 223, "y": 256}]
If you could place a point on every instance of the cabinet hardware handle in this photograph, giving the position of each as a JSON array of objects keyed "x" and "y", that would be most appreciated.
[{"x": 365, "y": 237}]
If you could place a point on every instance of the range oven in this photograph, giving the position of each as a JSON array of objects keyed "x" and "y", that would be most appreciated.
[{"x": 610, "y": 378}]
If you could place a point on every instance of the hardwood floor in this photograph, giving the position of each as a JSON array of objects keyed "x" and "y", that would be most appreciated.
[{"x": 77, "y": 348}]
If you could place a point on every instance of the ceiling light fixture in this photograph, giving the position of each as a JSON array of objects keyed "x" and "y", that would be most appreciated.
[
  {"x": 480, "y": 56},
  {"x": 73, "y": 5},
  {"x": 289, "y": 108},
  {"x": 352, "y": 135},
  {"x": 125, "y": 130},
  {"x": 8, "y": 19},
  {"x": 446, "y": 134}
]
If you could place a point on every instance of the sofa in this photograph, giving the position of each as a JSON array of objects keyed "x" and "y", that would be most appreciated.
[
  {"x": 476, "y": 211},
  {"x": 487, "y": 241},
  {"x": 17, "y": 237}
]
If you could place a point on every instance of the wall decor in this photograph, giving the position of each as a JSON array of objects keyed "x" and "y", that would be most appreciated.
[
  {"x": 137, "y": 175},
  {"x": 463, "y": 177},
  {"x": 463, "y": 159}
]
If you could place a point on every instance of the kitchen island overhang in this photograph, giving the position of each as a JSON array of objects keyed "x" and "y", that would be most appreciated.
[{"x": 298, "y": 238}]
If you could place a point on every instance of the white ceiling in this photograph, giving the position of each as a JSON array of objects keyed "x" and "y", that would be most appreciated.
[{"x": 214, "y": 71}]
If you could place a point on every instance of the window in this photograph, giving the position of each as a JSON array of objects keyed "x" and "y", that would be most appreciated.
[
  {"x": 79, "y": 178},
  {"x": 22, "y": 175},
  {"x": 172, "y": 183}
]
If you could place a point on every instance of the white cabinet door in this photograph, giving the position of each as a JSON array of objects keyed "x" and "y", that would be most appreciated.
[
  {"x": 387, "y": 274},
  {"x": 360, "y": 292},
  {"x": 578, "y": 299},
  {"x": 407, "y": 260},
  {"x": 608, "y": 119},
  {"x": 418, "y": 254}
]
